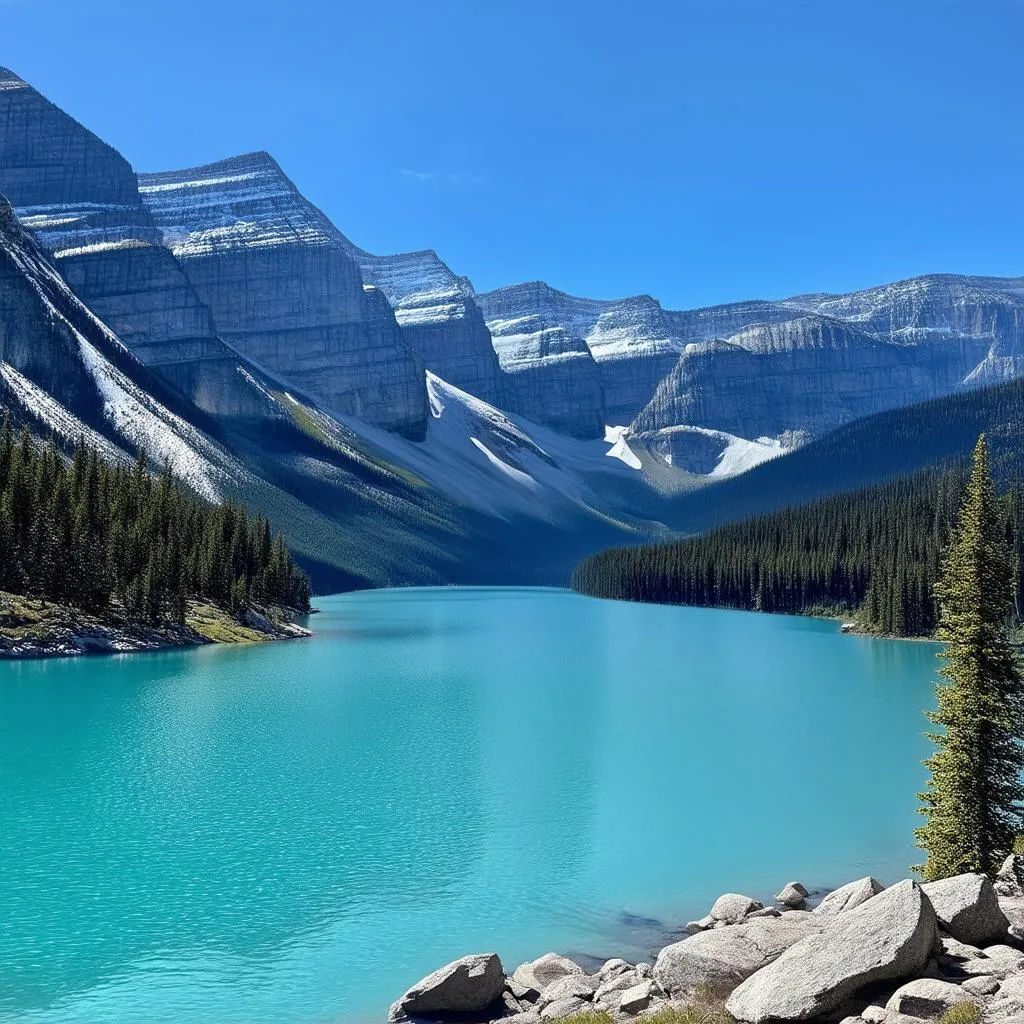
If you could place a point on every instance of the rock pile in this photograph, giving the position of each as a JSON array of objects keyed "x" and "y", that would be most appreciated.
[{"x": 865, "y": 954}]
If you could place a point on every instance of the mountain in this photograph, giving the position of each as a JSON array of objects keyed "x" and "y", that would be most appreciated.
[
  {"x": 867, "y": 452},
  {"x": 79, "y": 197},
  {"x": 835, "y": 358},
  {"x": 285, "y": 291},
  {"x": 440, "y": 319},
  {"x": 809, "y": 374}
]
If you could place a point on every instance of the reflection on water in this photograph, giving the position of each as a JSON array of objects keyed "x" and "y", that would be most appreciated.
[{"x": 229, "y": 835}]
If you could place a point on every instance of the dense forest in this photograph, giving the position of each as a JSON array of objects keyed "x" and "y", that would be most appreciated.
[
  {"x": 875, "y": 553},
  {"x": 100, "y": 537}
]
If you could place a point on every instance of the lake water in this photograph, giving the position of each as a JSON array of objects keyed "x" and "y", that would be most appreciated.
[{"x": 293, "y": 833}]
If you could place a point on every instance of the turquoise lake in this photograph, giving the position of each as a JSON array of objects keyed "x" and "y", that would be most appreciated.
[{"x": 293, "y": 833}]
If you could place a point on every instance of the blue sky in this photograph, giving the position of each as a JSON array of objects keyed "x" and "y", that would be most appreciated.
[{"x": 700, "y": 151}]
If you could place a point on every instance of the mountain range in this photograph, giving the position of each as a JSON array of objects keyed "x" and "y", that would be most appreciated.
[{"x": 396, "y": 424}]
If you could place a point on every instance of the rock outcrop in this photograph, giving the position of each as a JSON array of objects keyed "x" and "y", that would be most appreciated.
[
  {"x": 554, "y": 378},
  {"x": 440, "y": 319},
  {"x": 892, "y": 935},
  {"x": 968, "y": 909},
  {"x": 78, "y": 196},
  {"x": 284, "y": 289},
  {"x": 810, "y": 374}
]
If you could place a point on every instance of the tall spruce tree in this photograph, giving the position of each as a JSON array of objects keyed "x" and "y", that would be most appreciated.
[{"x": 973, "y": 803}]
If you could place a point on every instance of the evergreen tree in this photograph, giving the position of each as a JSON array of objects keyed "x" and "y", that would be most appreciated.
[{"x": 973, "y": 803}]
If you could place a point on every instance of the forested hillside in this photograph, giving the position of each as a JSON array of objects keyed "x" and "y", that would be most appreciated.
[
  {"x": 868, "y": 451},
  {"x": 874, "y": 553},
  {"x": 95, "y": 536}
]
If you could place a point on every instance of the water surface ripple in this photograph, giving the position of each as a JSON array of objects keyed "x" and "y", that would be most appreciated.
[{"x": 291, "y": 833}]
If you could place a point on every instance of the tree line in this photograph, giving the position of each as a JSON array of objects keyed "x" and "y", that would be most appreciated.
[
  {"x": 98, "y": 536},
  {"x": 874, "y": 553}
]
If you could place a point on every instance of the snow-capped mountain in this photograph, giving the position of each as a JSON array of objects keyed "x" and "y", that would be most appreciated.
[
  {"x": 440, "y": 319},
  {"x": 284, "y": 290}
]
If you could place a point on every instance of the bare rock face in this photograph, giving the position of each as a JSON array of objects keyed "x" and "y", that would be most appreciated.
[
  {"x": 284, "y": 290},
  {"x": 78, "y": 195},
  {"x": 440, "y": 319},
  {"x": 810, "y": 374},
  {"x": 554, "y": 378},
  {"x": 814, "y": 362},
  {"x": 968, "y": 908}
]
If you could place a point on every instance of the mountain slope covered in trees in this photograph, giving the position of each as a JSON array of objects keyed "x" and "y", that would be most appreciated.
[
  {"x": 868, "y": 451},
  {"x": 109, "y": 539},
  {"x": 874, "y": 553}
]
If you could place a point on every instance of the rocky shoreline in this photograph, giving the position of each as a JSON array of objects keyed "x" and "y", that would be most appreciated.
[
  {"x": 33, "y": 630},
  {"x": 949, "y": 951}
]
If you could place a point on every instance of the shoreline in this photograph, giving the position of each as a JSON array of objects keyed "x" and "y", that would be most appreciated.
[
  {"x": 863, "y": 953},
  {"x": 32, "y": 630}
]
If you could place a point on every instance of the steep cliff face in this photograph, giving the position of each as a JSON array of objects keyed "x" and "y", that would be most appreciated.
[
  {"x": 805, "y": 375},
  {"x": 285, "y": 291},
  {"x": 79, "y": 197},
  {"x": 63, "y": 371},
  {"x": 555, "y": 379},
  {"x": 440, "y": 319}
]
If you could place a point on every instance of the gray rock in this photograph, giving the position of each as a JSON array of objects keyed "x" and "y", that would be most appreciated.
[
  {"x": 955, "y": 948},
  {"x": 967, "y": 907},
  {"x": 764, "y": 912},
  {"x": 524, "y": 1017},
  {"x": 925, "y": 997},
  {"x": 982, "y": 985},
  {"x": 563, "y": 1008},
  {"x": 849, "y": 896},
  {"x": 1007, "y": 1006},
  {"x": 612, "y": 967},
  {"x": 618, "y": 983},
  {"x": 545, "y": 970},
  {"x": 521, "y": 992},
  {"x": 1009, "y": 879},
  {"x": 644, "y": 970},
  {"x": 637, "y": 998},
  {"x": 728, "y": 955},
  {"x": 793, "y": 895},
  {"x": 573, "y": 986},
  {"x": 1013, "y": 909},
  {"x": 890, "y": 936},
  {"x": 873, "y": 1014},
  {"x": 732, "y": 908},
  {"x": 468, "y": 985}
]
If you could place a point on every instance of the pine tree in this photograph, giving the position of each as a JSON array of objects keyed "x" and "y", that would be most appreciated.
[{"x": 973, "y": 803}]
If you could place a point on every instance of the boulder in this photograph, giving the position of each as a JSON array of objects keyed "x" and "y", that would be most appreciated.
[
  {"x": 982, "y": 985},
  {"x": 545, "y": 970},
  {"x": 890, "y": 936},
  {"x": 575, "y": 986},
  {"x": 1010, "y": 877},
  {"x": 468, "y": 985},
  {"x": 955, "y": 948},
  {"x": 644, "y": 970},
  {"x": 563, "y": 1008},
  {"x": 1013, "y": 909},
  {"x": 612, "y": 967},
  {"x": 926, "y": 997},
  {"x": 1007, "y": 1006},
  {"x": 726, "y": 956},
  {"x": 627, "y": 979},
  {"x": 524, "y": 1017},
  {"x": 732, "y": 908},
  {"x": 523, "y": 992},
  {"x": 967, "y": 907},
  {"x": 793, "y": 895},
  {"x": 637, "y": 998},
  {"x": 848, "y": 896}
]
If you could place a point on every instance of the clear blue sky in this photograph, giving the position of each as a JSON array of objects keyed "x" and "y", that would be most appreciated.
[{"x": 700, "y": 150}]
